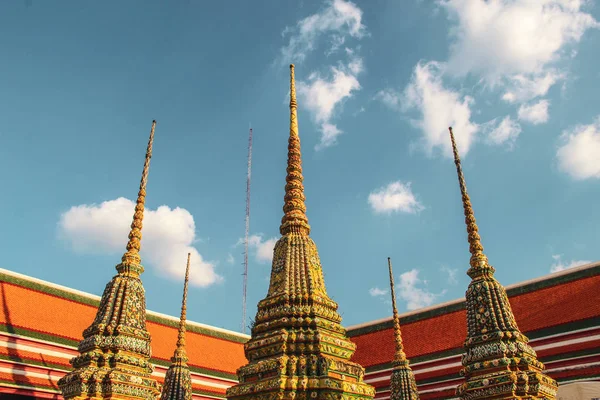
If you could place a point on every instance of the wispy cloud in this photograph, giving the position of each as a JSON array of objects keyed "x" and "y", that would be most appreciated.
[
  {"x": 452, "y": 273},
  {"x": 559, "y": 265},
  {"x": 414, "y": 291},
  {"x": 536, "y": 113},
  {"x": 336, "y": 21},
  {"x": 439, "y": 107},
  {"x": 504, "y": 133},
  {"x": 168, "y": 237},
  {"x": 395, "y": 197},
  {"x": 262, "y": 248},
  {"x": 322, "y": 95},
  {"x": 230, "y": 259},
  {"x": 376, "y": 292}
]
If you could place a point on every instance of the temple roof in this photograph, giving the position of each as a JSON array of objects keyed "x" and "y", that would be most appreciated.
[{"x": 539, "y": 305}]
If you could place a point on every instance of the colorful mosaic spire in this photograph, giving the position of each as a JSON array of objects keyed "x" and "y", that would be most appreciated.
[
  {"x": 178, "y": 382},
  {"x": 115, "y": 350},
  {"x": 298, "y": 349},
  {"x": 498, "y": 362},
  {"x": 402, "y": 382}
]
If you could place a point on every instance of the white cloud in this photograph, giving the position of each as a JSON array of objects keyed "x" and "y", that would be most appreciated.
[
  {"x": 560, "y": 266},
  {"x": 506, "y": 132},
  {"x": 452, "y": 279},
  {"x": 395, "y": 197},
  {"x": 376, "y": 292},
  {"x": 321, "y": 96},
  {"x": 521, "y": 88},
  {"x": 488, "y": 42},
  {"x": 230, "y": 259},
  {"x": 439, "y": 107},
  {"x": 579, "y": 155},
  {"x": 536, "y": 113},
  {"x": 168, "y": 235},
  {"x": 388, "y": 97},
  {"x": 415, "y": 296},
  {"x": 337, "y": 20},
  {"x": 263, "y": 248}
]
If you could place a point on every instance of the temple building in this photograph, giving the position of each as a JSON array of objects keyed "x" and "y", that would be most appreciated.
[
  {"x": 538, "y": 339},
  {"x": 556, "y": 312}
]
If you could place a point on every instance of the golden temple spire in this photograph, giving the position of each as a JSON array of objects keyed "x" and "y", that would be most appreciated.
[
  {"x": 114, "y": 359},
  {"x": 294, "y": 219},
  {"x": 403, "y": 385},
  {"x": 498, "y": 362},
  {"x": 298, "y": 348},
  {"x": 182, "y": 319},
  {"x": 178, "y": 381},
  {"x": 399, "y": 355},
  {"x": 132, "y": 255},
  {"x": 479, "y": 261}
]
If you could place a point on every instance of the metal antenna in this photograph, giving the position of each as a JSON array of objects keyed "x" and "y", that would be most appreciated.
[{"x": 246, "y": 237}]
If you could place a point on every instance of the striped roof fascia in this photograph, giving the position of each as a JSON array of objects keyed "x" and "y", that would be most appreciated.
[
  {"x": 93, "y": 300},
  {"x": 545, "y": 333},
  {"x": 72, "y": 344},
  {"x": 554, "y": 279}
]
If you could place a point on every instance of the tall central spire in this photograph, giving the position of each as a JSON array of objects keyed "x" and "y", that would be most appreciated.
[
  {"x": 294, "y": 217},
  {"x": 402, "y": 382},
  {"x": 498, "y": 362},
  {"x": 115, "y": 350},
  {"x": 178, "y": 381},
  {"x": 298, "y": 349}
]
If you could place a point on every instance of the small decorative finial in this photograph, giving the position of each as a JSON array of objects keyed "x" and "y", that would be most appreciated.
[
  {"x": 479, "y": 261},
  {"x": 131, "y": 260},
  {"x": 294, "y": 219},
  {"x": 180, "y": 351},
  {"x": 399, "y": 355}
]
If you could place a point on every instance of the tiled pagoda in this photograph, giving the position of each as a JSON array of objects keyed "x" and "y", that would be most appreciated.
[
  {"x": 115, "y": 350},
  {"x": 498, "y": 362},
  {"x": 402, "y": 382},
  {"x": 178, "y": 381},
  {"x": 298, "y": 349}
]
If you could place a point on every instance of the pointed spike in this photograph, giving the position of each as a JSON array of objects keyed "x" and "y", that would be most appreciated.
[
  {"x": 294, "y": 219},
  {"x": 131, "y": 261},
  {"x": 399, "y": 355},
  {"x": 182, "y": 319},
  {"x": 479, "y": 261}
]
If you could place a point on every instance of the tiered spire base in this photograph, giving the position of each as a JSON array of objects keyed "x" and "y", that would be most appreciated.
[
  {"x": 115, "y": 350},
  {"x": 298, "y": 348},
  {"x": 402, "y": 382},
  {"x": 499, "y": 363}
]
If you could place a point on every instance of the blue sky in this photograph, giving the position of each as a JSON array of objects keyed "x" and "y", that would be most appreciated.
[{"x": 378, "y": 84}]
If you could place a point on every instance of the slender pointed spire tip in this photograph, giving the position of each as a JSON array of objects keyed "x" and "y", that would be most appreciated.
[
  {"x": 399, "y": 355},
  {"x": 131, "y": 260},
  {"x": 294, "y": 219},
  {"x": 479, "y": 261},
  {"x": 180, "y": 352}
]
